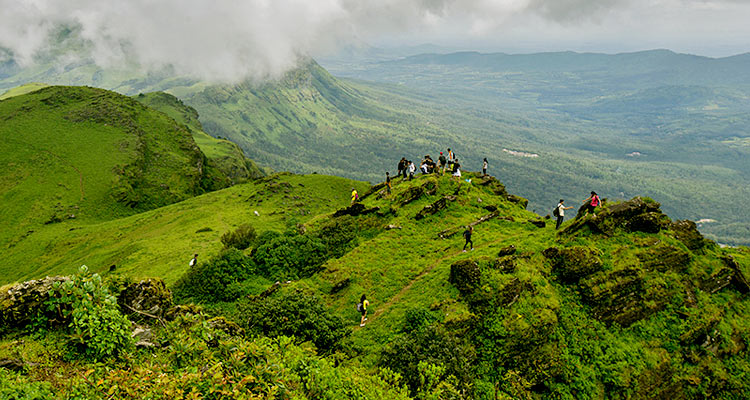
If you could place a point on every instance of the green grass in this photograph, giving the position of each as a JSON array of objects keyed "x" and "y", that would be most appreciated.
[{"x": 23, "y": 89}]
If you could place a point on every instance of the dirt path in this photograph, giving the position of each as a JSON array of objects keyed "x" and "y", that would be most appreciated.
[{"x": 385, "y": 306}]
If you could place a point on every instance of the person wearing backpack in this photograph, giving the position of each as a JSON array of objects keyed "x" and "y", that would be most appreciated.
[
  {"x": 441, "y": 162},
  {"x": 467, "y": 236},
  {"x": 194, "y": 261},
  {"x": 559, "y": 212},
  {"x": 362, "y": 308}
]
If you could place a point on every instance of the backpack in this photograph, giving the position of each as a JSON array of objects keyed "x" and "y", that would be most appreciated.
[
  {"x": 556, "y": 211},
  {"x": 359, "y": 307}
]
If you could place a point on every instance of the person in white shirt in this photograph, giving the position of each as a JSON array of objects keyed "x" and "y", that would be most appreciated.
[{"x": 561, "y": 212}]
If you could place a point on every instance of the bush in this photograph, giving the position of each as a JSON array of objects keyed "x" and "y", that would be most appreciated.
[
  {"x": 431, "y": 345},
  {"x": 296, "y": 314},
  {"x": 241, "y": 238},
  {"x": 211, "y": 281},
  {"x": 417, "y": 318},
  {"x": 289, "y": 256},
  {"x": 92, "y": 314},
  {"x": 339, "y": 235}
]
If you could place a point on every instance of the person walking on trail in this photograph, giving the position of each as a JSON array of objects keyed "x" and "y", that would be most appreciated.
[
  {"x": 467, "y": 236},
  {"x": 362, "y": 308},
  {"x": 560, "y": 212},
  {"x": 592, "y": 202},
  {"x": 387, "y": 183},
  {"x": 441, "y": 162},
  {"x": 355, "y": 195},
  {"x": 484, "y": 167},
  {"x": 194, "y": 261}
]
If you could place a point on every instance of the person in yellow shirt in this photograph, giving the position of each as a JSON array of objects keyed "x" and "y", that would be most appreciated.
[
  {"x": 362, "y": 307},
  {"x": 355, "y": 195}
]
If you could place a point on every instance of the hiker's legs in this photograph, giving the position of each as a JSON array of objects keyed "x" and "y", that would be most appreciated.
[
  {"x": 362, "y": 320},
  {"x": 559, "y": 221}
]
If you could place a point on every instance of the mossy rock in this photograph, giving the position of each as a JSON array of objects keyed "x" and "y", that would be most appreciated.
[
  {"x": 465, "y": 276},
  {"x": 648, "y": 222},
  {"x": 507, "y": 251},
  {"x": 639, "y": 214},
  {"x": 434, "y": 208},
  {"x": 687, "y": 232},
  {"x": 20, "y": 302},
  {"x": 149, "y": 296},
  {"x": 229, "y": 327},
  {"x": 664, "y": 258},
  {"x": 413, "y": 193},
  {"x": 574, "y": 263}
]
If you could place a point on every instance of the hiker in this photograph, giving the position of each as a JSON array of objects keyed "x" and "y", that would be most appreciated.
[
  {"x": 387, "y": 183},
  {"x": 423, "y": 166},
  {"x": 560, "y": 212},
  {"x": 412, "y": 168},
  {"x": 441, "y": 161},
  {"x": 484, "y": 167},
  {"x": 592, "y": 202},
  {"x": 194, "y": 261},
  {"x": 355, "y": 195},
  {"x": 362, "y": 307},
  {"x": 456, "y": 170},
  {"x": 451, "y": 158},
  {"x": 401, "y": 166},
  {"x": 467, "y": 236}
]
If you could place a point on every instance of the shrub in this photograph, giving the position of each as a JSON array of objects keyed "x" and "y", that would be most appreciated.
[
  {"x": 92, "y": 314},
  {"x": 339, "y": 235},
  {"x": 210, "y": 281},
  {"x": 289, "y": 256},
  {"x": 296, "y": 314},
  {"x": 431, "y": 345},
  {"x": 241, "y": 238},
  {"x": 417, "y": 318}
]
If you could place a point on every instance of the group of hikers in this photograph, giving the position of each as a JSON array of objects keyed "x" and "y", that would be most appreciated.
[
  {"x": 589, "y": 206},
  {"x": 407, "y": 168}
]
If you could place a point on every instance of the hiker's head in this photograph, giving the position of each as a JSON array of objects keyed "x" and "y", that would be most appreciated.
[
  {"x": 449, "y": 149},
  {"x": 441, "y": 153},
  {"x": 561, "y": 200},
  {"x": 593, "y": 193},
  {"x": 361, "y": 299},
  {"x": 196, "y": 255}
]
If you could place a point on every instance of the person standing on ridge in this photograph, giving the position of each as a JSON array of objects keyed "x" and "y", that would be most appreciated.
[
  {"x": 592, "y": 202},
  {"x": 441, "y": 161},
  {"x": 467, "y": 236},
  {"x": 401, "y": 166},
  {"x": 355, "y": 195},
  {"x": 560, "y": 210},
  {"x": 362, "y": 308},
  {"x": 194, "y": 261},
  {"x": 451, "y": 158},
  {"x": 387, "y": 183},
  {"x": 412, "y": 168},
  {"x": 456, "y": 172},
  {"x": 484, "y": 167}
]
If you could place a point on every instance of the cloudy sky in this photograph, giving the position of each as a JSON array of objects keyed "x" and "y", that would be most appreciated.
[{"x": 232, "y": 39}]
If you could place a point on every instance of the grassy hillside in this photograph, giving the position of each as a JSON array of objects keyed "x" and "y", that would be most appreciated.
[
  {"x": 627, "y": 304},
  {"x": 225, "y": 155},
  {"x": 161, "y": 242}
]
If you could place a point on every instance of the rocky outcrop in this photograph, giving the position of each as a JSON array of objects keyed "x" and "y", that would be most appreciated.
[
  {"x": 622, "y": 296},
  {"x": 687, "y": 232},
  {"x": 145, "y": 299},
  {"x": 413, "y": 193},
  {"x": 435, "y": 207},
  {"x": 19, "y": 302},
  {"x": 573, "y": 263},
  {"x": 340, "y": 285},
  {"x": 664, "y": 258},
  {"x": 507, "y": 251},
  {"x": 465, "y": 276},
  {"x": 739, "y": 280},
  {"x": 355, "y": 210},
  {"x": 635, "y": 215}
]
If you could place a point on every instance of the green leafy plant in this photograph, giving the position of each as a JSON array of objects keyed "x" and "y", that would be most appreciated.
[
  {"x": 91, "y": 313},
  {"x": 290, "y": 256}
]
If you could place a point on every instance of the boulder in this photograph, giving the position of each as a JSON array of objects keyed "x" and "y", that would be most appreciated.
[
  {"x": 635, "y": 215},
  {"x": 507, "y": 251},
  {"x": 574, "y": 263},
  {"x": 341, "y": 285},
  {"x": 506, "y": 265},
  {"x": 142, "y": 336},
  {"x": 539, "y": 223},
  {"x": 518, "y": 200},
  {"x": 687, "y": 232},
  {"x": 739, "y": 280},
  {"x": 648, "y": 222},
  {"x": 465, "y": 276},
  {"x": 493, "y": 185},
  {"x": 429, "y": 188},
  {"x": 435, "y": 207},
  {"x": 19, "y": 303},
  {"x": 149, "y": 296}
]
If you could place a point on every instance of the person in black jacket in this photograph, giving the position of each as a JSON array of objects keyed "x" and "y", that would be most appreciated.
[{"x": 467, "y": 236}]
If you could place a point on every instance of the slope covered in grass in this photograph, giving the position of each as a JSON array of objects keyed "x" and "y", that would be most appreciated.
[{"x": 225, "y": 155}]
